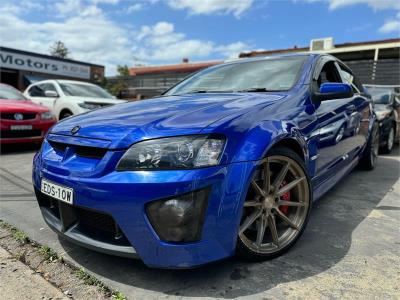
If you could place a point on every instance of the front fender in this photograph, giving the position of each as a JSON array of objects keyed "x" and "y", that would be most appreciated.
[{"x": 255, "y": 143}]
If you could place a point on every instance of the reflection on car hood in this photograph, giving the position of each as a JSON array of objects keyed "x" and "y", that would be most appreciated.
[
  {"x": 165, "y": 116},
  {"x": 7, "y": 105},
  {"x": 94, "y": 100}
]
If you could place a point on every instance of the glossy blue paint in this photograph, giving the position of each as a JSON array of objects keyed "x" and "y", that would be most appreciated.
[
  {"x": 331, "y": 135},
  {"x": 329, "y": 87}
]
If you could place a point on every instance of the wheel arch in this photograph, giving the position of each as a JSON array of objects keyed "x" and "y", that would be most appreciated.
[
  {"x": 297, "y": 143},
  {"x": 294, "y": 141},
  {"x": 63, "y": 111},
  {"x": 292, "y": 144}
]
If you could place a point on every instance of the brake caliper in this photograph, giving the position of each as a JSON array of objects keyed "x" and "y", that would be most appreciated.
[{"x": 285, "y": 197}]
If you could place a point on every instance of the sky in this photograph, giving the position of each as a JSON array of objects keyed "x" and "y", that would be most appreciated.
[{"x": 155, "y": 32}]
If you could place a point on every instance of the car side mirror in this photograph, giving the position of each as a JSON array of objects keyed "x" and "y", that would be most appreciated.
[
  {"x": 334, "y": 90},
  {"x": 51, "y": 94}
]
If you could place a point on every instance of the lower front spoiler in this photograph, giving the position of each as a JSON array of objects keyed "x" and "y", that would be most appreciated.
[{"x": 75, "y": 236}]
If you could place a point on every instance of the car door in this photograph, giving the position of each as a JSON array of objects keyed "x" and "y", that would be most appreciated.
[
  {"x": 37, "y": 94},
  {"x": 358, "y": 120},
  {"x": 336, "y": 122}
]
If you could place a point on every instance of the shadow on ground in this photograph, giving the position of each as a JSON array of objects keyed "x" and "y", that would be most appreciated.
[{"x": 325, "y": 243}]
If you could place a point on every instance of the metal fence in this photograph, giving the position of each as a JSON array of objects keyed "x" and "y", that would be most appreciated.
[{"x": 384, "y": 71}]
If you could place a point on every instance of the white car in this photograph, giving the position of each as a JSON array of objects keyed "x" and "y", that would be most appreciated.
[{"x": 67, "y": 97}]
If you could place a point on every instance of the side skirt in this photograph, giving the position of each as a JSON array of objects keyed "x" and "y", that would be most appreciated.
[{"x": 325, "y": 186}]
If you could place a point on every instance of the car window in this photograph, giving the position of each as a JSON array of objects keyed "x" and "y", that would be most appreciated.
[
  {"x": 48, "y": 87},
  {"x": 11, "y": 93},
  {"x": 350, "y": 79},
  {"x": 36, "y": 91},
  {"x": 328, "y": 73},
  {"x": 380, "y": 95},
  {"x": 269, "y": 75},
  {"x": 84, "y": 90},
  {"x": 39, "y": 89}
]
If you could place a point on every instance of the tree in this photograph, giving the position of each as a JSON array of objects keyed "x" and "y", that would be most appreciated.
[
  {"x": 118, "y": 84},
  {"x": 123, "y": 70},
  {"x": 59, "y": 50}
]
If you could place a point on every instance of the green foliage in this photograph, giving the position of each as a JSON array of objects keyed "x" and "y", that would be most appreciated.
[
  {"x": 21, "y": 256},
  {"x": 87, "y": 278},
  {"x": 118, "y": 85},
  {"x": 20, "y": 236},
  {"x": 118, "y": 296},
  {"x": 58, "y": 49},
  {"x": 48, "y": 253},
  {"x": 5, "y": 225},
  {"x": 123, "y": 70},
  {"x": 17, "y": 234}
]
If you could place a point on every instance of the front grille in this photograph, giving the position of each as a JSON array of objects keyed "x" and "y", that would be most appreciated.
[
  {"x": 95, "y": 220},
  {"x": 94, "y": 224},
  {"x": 82, "y": 151},
  {"x": 9, "y": 134},
  {"x": 11, "y": 116},
  {"x": 58, "y": 146},
  {"x": 90, "y": 152}
]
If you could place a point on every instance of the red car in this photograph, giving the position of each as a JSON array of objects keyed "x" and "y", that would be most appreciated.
[{"x": 21, "y": 120}]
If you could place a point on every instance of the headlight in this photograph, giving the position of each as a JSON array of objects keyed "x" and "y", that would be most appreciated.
[
  {"x": 381, "y": 114},
  {"x": 184, "y": 152},
  {"x": 89, "y": 105},
  {"x": 46, "y": 115}
]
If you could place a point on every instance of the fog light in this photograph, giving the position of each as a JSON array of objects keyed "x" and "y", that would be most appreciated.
[{"x": 180, "y": 218}]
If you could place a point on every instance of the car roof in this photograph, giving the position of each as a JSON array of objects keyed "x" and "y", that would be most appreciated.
[
  {"x": 277, "y": 56},
  {"x": 62, "y": 81},
  {"x": 8, "y": 86},
  {"x": 257, "y": 58}
]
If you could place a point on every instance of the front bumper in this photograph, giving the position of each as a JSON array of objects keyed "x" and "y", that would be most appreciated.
[
  {"x": 39, "y": 129},
  {"x": 123, "y": 196},
  {"x": 101, "y": 233},
  {"x": 384, "y": 128}
]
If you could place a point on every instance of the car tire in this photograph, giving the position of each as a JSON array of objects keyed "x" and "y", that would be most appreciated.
[
  {"x": 280, "y": 225},
  {"x": 390, "y": 141},
  {"x": 65, "y": 114},
  {"x": 370, "y": 154}
]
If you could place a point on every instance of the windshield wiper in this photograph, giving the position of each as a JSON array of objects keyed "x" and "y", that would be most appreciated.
[
  {"x": 197, "y": 92},
  {"x": 207, "y": 91},
  {"x": 256, "y": 90}
]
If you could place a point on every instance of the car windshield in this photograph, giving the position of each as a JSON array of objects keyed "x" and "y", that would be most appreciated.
[
  {"x": 380, "y": 95},
  {"x": 7, "y": 93},
  {"x": 256, "y": 76},
  {"x": 84, "y": 90}
]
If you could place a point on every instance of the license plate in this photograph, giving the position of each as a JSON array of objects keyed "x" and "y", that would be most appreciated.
[
  {"x": 56, "y": 191},
  {"x": 21, "y": 127}
]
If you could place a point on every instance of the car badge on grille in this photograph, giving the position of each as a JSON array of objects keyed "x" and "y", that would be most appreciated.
[
  {"x": 18, "y": 116},
  {"x": 75, "y": 129}
]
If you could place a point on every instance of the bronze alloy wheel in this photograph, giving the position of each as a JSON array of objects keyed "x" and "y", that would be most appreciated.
[{"x": 277, "y": 206}]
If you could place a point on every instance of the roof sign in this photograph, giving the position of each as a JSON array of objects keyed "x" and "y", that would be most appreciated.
[{"x": 43, "y": 65}]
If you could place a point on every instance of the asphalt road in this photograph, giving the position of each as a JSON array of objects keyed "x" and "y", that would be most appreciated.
[{"x": 349, "y": 250}]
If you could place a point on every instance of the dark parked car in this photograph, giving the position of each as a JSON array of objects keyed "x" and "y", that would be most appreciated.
[
  {"x": 228, "y": 161},
  {"x": 386, "y": 105}
]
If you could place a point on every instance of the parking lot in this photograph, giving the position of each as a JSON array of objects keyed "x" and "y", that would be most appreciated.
[{"x": 350, "y": 248}]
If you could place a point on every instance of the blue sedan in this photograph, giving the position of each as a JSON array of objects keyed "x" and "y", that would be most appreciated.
[{"x": 228, "y": 161}]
